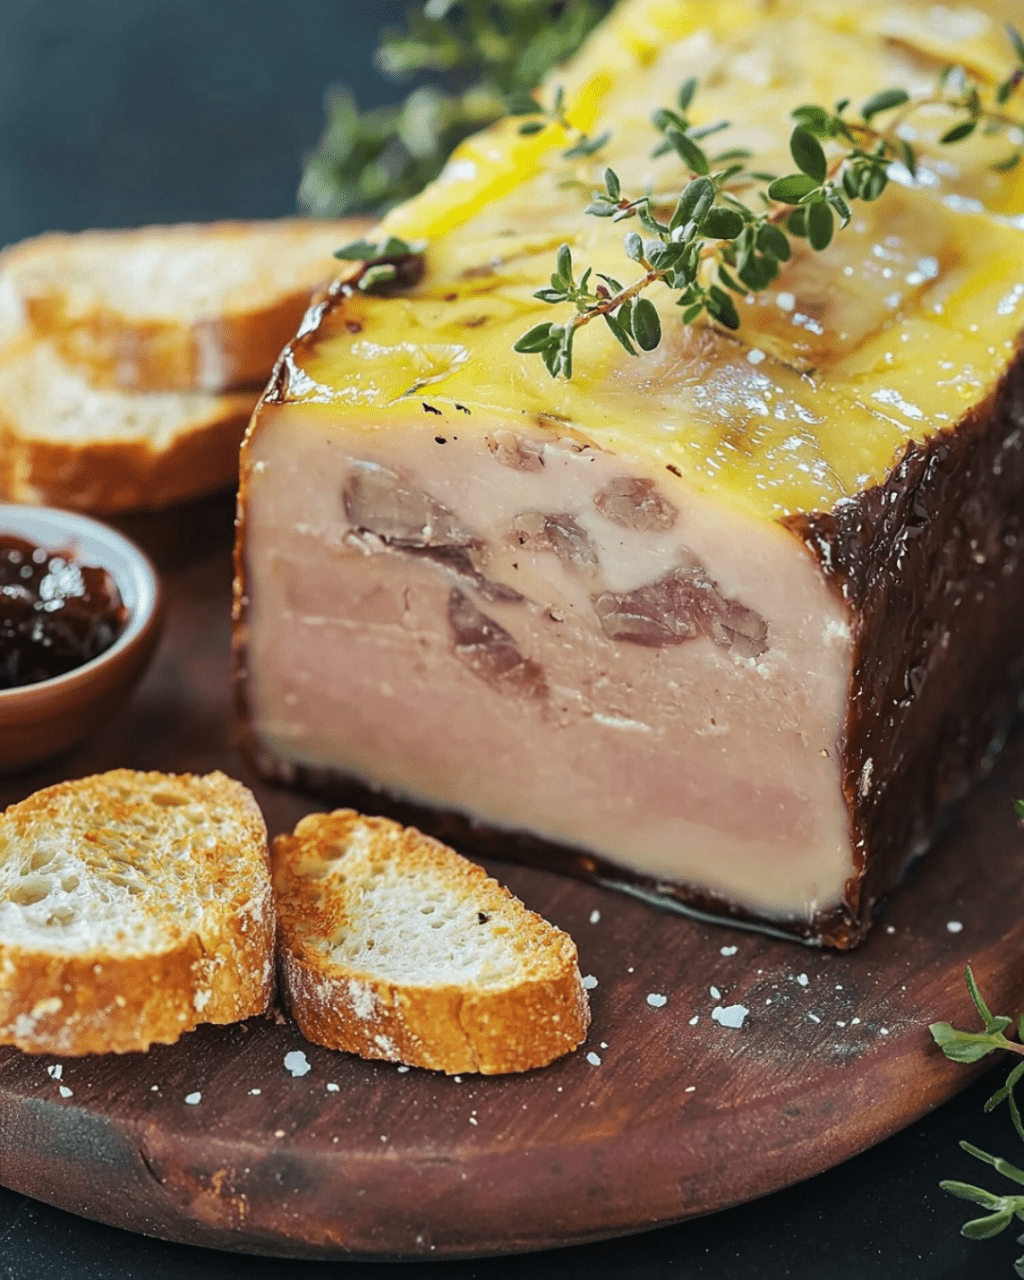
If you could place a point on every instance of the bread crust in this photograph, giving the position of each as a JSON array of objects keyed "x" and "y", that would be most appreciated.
[
  {"x": 232, "y": 347},
  {"x": 153, "y": 450},
  {"x": 468, "y": 1027},
  {"x": 108, "y": 1000}
]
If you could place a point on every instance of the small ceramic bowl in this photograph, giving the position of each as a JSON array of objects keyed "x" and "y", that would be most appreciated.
[{"x": 40, "y": 720}]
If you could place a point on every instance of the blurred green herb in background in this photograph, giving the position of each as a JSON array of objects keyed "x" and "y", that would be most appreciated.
[{"x": 478, "y": 53}]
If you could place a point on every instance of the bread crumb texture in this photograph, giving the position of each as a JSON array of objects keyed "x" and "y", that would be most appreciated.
[
  {"x": 133, "y": 906},
  {"x": 393, "y": 946}
]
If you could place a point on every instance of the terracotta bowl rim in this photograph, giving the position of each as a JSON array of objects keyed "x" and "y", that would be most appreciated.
[{"x": 132, "y": 570}]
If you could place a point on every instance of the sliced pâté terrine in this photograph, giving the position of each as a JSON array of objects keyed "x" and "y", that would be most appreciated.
[{"x": 732, "y": 622}]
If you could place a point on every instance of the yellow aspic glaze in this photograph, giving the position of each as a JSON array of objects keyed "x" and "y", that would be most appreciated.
[{"x": 908, "y": 319}]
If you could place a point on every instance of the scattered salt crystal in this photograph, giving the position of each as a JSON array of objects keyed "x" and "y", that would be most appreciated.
[
  {"x": 803, "y": 979},
  {"x": 278, "y": 1133},
  {"x": 814, "y": 1017},
  {"x": 383, "y": 1137},
  {"x": 695, "y": 1019},
  {"x": 690, "y": 1088},
  {"x": 457, "y": 1079},
  {"x": 333, "y": 1088},
  {"x": 604, "y": 1044},
  {"x": 297, "y": 1063},
  {"x": 630, "y": 969},
  {"x": 154, "y": 1088},
  {"x": 890, "y": 928},
  {"x": 656, "y": 1001},
  {"x": 593, "y": 1059},
  {"x": 403, "y": 1068},
  {"x": 840, "y": 1024},
  {"x": 768, "y": 1001},
  {"x": 755, "y": 355},
  {"x": 855, "y": 1022},
  {"x": 590, "y": 982},
  {"x": 714, "y": 993},
  {"x": 56, "y": 1071},
  {"x": 954, "y": 926},
  {"x": 883, "y": 1031},
  {"x": 729, "y": 951},
  {"x": 595, "y": 916},
  {"x": 731, "y": 1016},
  {"x": 65, "y": 1092},
  {"x": 193, "y": 1099},
  {"x": 472, "y": 1120}
]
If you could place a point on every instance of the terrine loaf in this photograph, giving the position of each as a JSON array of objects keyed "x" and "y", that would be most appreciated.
[{"x": 732, "y": 622}]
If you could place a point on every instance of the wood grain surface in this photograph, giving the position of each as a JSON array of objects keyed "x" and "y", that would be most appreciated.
[{"x": 663, "y": 1114}]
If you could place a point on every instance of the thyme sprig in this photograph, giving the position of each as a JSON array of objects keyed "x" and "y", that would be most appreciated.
[
  {"x": 972, "y": 1046},
  {"x": 475, "y": 54},
  {"x": 711, "y": 243}
]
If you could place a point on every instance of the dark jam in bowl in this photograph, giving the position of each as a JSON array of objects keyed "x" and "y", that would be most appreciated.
[{"x": 55, "y": 612}]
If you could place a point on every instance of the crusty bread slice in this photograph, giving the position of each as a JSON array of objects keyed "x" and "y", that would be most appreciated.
[
  {"x": 390, "y": 945},
  {"x": 133, "y": 906},
  {"x": 66, "y": 444},
  {"x": 172, "y": 308}
]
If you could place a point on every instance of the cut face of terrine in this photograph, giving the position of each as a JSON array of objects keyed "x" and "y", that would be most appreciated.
[{"x": 733, "y": 622}]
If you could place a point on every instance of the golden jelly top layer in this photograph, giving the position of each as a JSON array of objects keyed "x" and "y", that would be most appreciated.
[{"x": 905, "y": 321}]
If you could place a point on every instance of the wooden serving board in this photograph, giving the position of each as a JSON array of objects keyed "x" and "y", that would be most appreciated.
[{"x": 225, "y": 1140}]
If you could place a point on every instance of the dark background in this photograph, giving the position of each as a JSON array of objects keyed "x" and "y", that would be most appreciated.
[{"x": 121, "y": 112}]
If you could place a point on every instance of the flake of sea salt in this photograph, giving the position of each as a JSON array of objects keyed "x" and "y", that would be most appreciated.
[
  {"x": 593, "y": 1059},
  {"x": 731, "y": 1016},
  {"x": 595, "y": 916},
  {"x": 803, "y": 979},
  {"x": 656, "y": 1001},
  {"x": 56, "y": 1071},
  {"x": 714, "y": 993},
  {"x": 954, "y": 926},
  {"x": 65, "y": 1092},
  {"x": 590, "y": 982},
  {"x": 729, "y": 951},
  {"x": 297, "y": 1063},
  {"x": 194, "y": 1099}
]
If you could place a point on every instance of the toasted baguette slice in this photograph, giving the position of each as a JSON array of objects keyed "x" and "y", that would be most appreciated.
[
  {"x": 392, "y": 946},
  {"x": 133, "y": 906},
  {"x": 65, "y": 444},
  {"x": 178, "y": 308}
]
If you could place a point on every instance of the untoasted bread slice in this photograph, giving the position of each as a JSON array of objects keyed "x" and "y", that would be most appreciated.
[
  {"x": 390, "y": 945},
  {"x": 173, "y": 308},
  {"x": 66, "y": 444},
  {"x": 133, "y": 906}
]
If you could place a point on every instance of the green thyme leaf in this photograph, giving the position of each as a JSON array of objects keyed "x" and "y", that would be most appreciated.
[
  {"x": 985, "y": 1228},
  {"x": 884, "y": 101},
  {"x": 807, "y": 154},
  {"x": 959, "y": 132},
  {"x": 691, "y": 155},
  {"x": 792, "y": 188},
  {"x": 722, "y": 224},
  {"x": 646, "y": 324}
]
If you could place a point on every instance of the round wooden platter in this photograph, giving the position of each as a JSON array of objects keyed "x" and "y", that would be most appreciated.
[{"x": 248, "y": 1138}]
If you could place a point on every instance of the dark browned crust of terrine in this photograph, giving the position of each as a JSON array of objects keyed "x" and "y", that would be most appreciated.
[{"x": 929, "y": 564}]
